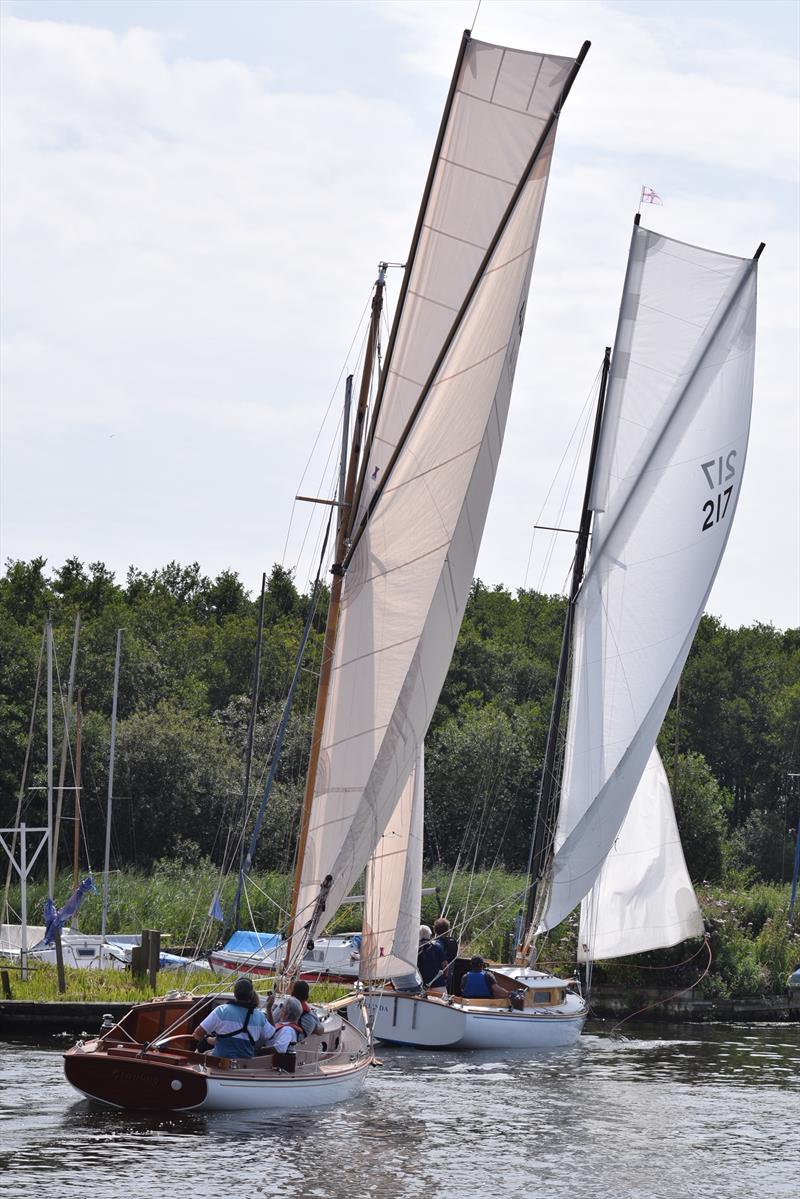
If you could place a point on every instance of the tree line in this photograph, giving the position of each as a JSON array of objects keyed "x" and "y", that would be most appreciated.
[{"x": 730, "y": 742}]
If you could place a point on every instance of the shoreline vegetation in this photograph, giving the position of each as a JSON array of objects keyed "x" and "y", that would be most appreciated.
[
  {"x": 730, "y": 744},
  {"x": 753, "y": 950}
]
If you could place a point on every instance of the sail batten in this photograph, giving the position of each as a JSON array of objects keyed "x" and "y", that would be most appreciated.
[
  {"x": 669, "y": 473},
  {"x": 410, "y": 567}
]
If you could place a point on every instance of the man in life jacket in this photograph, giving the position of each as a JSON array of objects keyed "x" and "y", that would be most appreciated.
[
  {"x": 287, "y": 1028},
  {"x": 236, "y": 1027},
  {"x": 480, "y": 983}
]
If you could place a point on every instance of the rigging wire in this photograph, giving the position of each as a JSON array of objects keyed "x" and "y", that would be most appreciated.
[
  {"x": 324, "y": 419},
  {"x": 579, "y": 430},
  {"x": 675, "y": 995}
]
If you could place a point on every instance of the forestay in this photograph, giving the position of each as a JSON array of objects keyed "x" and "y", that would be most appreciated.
[
  {"x": 670, "y": 467},
  {"x": 643, "y": 898},
  {"x": 393, "y": 889},
  {"x": 408, "y": 581}
]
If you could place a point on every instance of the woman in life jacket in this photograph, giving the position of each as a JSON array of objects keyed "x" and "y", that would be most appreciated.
[
  {"x": 236, "y": 1027},
  {"x": 432, "y": 963},
  {"x": 308, "y": 1021}
]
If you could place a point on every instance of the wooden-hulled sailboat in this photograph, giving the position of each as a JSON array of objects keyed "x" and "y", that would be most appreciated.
[
  {"x": 417, "y": 489},
  {"x": 666, "y": 465},
  {"x": 425, "y": 480}
]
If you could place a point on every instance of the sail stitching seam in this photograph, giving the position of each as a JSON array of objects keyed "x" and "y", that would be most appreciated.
[
  {"x": 520, "y": 112},
  {"x": 533, "y": 89},
  {"x": 470, "y": 367},
  {"x": 497, "y": 76},
  {"x": 464, "y": 241},
  {"x": 462, "y": 166},
  {"x": 430, "y": 300}
]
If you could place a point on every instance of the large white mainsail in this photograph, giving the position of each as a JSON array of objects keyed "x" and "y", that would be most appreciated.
[
  {"x": 643, "y": 898},
  {"x": 455, "y": 348},
  {"x": 669, "y": 472},
  {"x": 393, "y": 887}
]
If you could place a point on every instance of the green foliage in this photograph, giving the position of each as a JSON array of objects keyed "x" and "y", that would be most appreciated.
[
  {"x": 701, "y": 810},
  {"x": 760, "y": 842},
  {"x": 754, "y": 950},
  {"x": 184, "y": 706}
]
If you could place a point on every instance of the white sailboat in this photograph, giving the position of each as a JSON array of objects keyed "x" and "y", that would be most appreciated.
[
  {"x": 667, "y": 462},
  {"x": 664, "y": 493}
]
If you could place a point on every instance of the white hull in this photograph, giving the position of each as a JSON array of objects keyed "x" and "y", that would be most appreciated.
[
  {"x": 429, "y": 1023},
  {"x": 229, "y": 1095},
  {"x": 332, "y": 957}
]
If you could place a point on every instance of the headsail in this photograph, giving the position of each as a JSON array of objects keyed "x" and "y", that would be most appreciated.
[
  {"x": 455, "y": 348},
  {"x": 393, "y": 888},
  {"x": 669, "y": 472},
  {"x": 643, "y": 898}
]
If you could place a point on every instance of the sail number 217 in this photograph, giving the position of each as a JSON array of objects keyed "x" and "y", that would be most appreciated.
[{"x": 717, "y": 472}]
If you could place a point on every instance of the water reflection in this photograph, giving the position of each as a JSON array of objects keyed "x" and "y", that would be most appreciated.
[{"x": 662, "y": 1113}]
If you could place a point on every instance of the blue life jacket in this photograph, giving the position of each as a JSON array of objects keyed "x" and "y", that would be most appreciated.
[
  {"x": 476, "y": 984},
  {"x": 231, "y": 1044}
]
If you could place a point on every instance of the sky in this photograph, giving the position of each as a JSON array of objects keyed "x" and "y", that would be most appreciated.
[{"x": 195, "y": 197}]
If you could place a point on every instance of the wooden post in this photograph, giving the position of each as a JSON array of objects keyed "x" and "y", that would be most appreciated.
[
  {"x": 6, "y": 984},
  {"x": 153, "y": 954},
  {"x": 62, "y": 982},
  {"x": 139, "y": 957}
]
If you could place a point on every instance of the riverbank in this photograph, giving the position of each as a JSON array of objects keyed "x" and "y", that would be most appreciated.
[
  {"x": 609, "y": 1006},
  {"x": 751, "y": 950}
]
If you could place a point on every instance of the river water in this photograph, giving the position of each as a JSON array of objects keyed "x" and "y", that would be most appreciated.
[{"x": 689, "y": 1112}]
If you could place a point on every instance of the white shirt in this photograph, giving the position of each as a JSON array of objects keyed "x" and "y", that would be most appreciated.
[{"x": 282, "y": 1039}]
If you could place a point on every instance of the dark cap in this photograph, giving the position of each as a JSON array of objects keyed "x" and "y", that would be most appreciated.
[{"x": 243, "y": 990}]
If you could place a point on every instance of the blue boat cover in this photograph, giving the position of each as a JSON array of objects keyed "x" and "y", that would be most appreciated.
[{"x": 247, "y": 942}]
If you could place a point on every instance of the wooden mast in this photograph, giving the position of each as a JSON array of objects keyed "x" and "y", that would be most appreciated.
[
  {"x": 251, "y": 732},
  {"x": 76, "y": 832},
  {"x": 548, "y": 788},
  {"x": 110, "y": 799},
  {"x": 334, "y": 605}
]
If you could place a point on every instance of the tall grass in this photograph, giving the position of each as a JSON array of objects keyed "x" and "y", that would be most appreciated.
[{"x": 753, "y": 949}]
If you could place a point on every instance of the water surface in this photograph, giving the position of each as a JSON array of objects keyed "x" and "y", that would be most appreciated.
[{"x": 696, "y": 1112}]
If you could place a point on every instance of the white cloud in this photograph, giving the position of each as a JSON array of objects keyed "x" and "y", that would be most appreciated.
[{"x": 188, "y": 248}]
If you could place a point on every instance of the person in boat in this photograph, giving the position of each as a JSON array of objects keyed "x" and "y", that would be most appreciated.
[
  {"x": 432, "y": 963},
  {"x": 238, "y": 1027},
  {"x": 480, "y": 983},
  {"x": 441, "y": 931},
  {"x": 284, "y": 1015},
  {"x": 308, "y": 1020}
]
